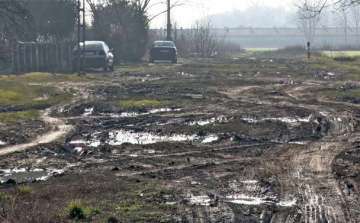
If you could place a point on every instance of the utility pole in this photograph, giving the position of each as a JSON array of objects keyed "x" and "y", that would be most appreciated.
[
  {"x": 81, "y": 24},
  {"x": 168, "y": 36}
]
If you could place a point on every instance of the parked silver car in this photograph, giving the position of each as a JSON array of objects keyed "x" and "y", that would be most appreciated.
[{"x": 97, "y": 54}]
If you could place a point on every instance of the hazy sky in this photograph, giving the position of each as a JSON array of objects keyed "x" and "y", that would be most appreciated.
[{"x": 185, "y": 15}]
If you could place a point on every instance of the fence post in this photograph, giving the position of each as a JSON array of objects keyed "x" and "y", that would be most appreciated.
[
  {"x": 17, "y": 58},
  {"x": 12, "y": 58},
  {"x": 70, "y": 61},
  {"x": 61, "y": 56},
  {"x": 24, "y": 57},
  {"x": 31, "y": 57},
  {"x": 47, "y": 56},
  {"x": 42, "y": 57},
  {"x": 57, "y": 55},
  {"x": 37, "y": 57}
]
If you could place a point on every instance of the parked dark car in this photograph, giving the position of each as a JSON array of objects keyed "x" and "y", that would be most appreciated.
[
  {"x": 163, "y": 50},
  {"x": 97, "y": 55}
]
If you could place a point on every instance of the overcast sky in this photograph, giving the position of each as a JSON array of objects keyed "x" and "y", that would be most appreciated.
[{"x": 185, "y": 15}]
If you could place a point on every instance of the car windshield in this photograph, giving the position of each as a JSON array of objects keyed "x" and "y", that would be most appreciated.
[
  {"x": 91, "y": 46},
  {"x": 164, "y": 44}
]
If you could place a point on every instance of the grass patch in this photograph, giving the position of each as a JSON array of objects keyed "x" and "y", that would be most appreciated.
[
  {"x": 48, "y": 77},
  {"x": 130, "y": 205},
  {"x": 30, "y": 115},
  {"x": 25, "y": 189},
  {"x": 140, "y": 103},
  {"x": 139, "y": 203},
  {"x": 7, "y": 96},
  {"x": 260, "y": 49},
  {"x": 341, "y": 94},
  {"x": 28, "y": 97},
  {"x": 333, "y": 54},
  {"x": 347, "y": 70}
]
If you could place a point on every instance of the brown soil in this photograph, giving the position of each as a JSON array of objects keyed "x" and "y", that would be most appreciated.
[{"x": 281, "y": 153}]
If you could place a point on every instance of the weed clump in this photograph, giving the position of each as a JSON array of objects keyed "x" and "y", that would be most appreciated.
[
  {"x": 4, "y": 198},
  {"x": 76, "y": 210},
  {"x": 25, "y": 189}
]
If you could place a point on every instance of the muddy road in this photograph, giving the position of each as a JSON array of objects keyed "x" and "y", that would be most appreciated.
[{"x": 209, "y": 141}]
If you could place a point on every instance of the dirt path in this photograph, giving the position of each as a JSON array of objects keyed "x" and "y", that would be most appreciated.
[
  {"x": 308, "y": 171},
  {"x": 58, "y": 129},
  {"x": 321, "y": 198},
  {"x": 58, "y": 126}
]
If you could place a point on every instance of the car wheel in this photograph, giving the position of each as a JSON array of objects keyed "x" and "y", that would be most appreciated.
[
  {"x": 111, "y": 68},
  {"x": 106, "y": 67},
  {"x": 174, "y": 60}
]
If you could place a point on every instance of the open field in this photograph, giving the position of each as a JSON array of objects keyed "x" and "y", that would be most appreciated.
[
  {"x": 260, "y": 49},
  {"x": 333, "y": 54},
  {"x": 256, "y": 138}
]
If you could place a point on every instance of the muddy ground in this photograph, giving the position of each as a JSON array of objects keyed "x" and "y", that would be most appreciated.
[{"x": 245, "y": 140}]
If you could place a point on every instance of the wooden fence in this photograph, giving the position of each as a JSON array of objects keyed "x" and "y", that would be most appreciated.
[{"x": 33, "y": 57}]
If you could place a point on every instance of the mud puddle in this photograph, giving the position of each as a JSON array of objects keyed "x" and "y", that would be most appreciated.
[
  {"x": 22, "y": 175},
  {"x": 241, "y": 199},
  {"x": 280, "y": 119},
  {"x": 248, "y": 200},
  {"x": 143, "y": 138},
  {"x": 89, "y": 111}
]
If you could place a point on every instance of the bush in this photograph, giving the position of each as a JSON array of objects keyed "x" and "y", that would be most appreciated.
[
  {"x": 76, "y": 210},
  {"x": 296, "y": 50}
]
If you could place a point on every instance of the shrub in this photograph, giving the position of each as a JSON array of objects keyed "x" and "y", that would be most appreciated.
[
  {"x": 76, "y": 210},
  {"x": 296, "y": 50}
]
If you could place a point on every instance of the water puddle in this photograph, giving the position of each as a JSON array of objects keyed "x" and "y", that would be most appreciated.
[
  {"x": 95, "y": 143},
  {"x": 88, "y": 111},
  {"x": 280, "y": 119},
  {"x": 248, "y": 200},
  {"x": 210, "y": 139},
  {"x": 142, "y": 138},
  {"x": 200, "y": 200},
  {"x": 208, "y": 121},
  {"x": 249, "y": 182},
  {"x": 299, "y": 142},
  {"x": 23, "y": 175},
  {"x": 136, "y": 114},
  {"x": 2, "y": 143}
]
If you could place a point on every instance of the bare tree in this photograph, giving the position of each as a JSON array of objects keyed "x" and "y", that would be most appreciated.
[
  {"x": 308, "y": 18},
  {"x": 355, "y": 19},
  {"x": 143, "y": 6},
  {"x": 205, "y": 38},
  {"x": 53, "y": 21},
  {"x": 320, "y": 5},
  {"x": 13, "y": 16},
  {"x": 13, "y": 19},
  {"x": 342, "y": 17}
]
